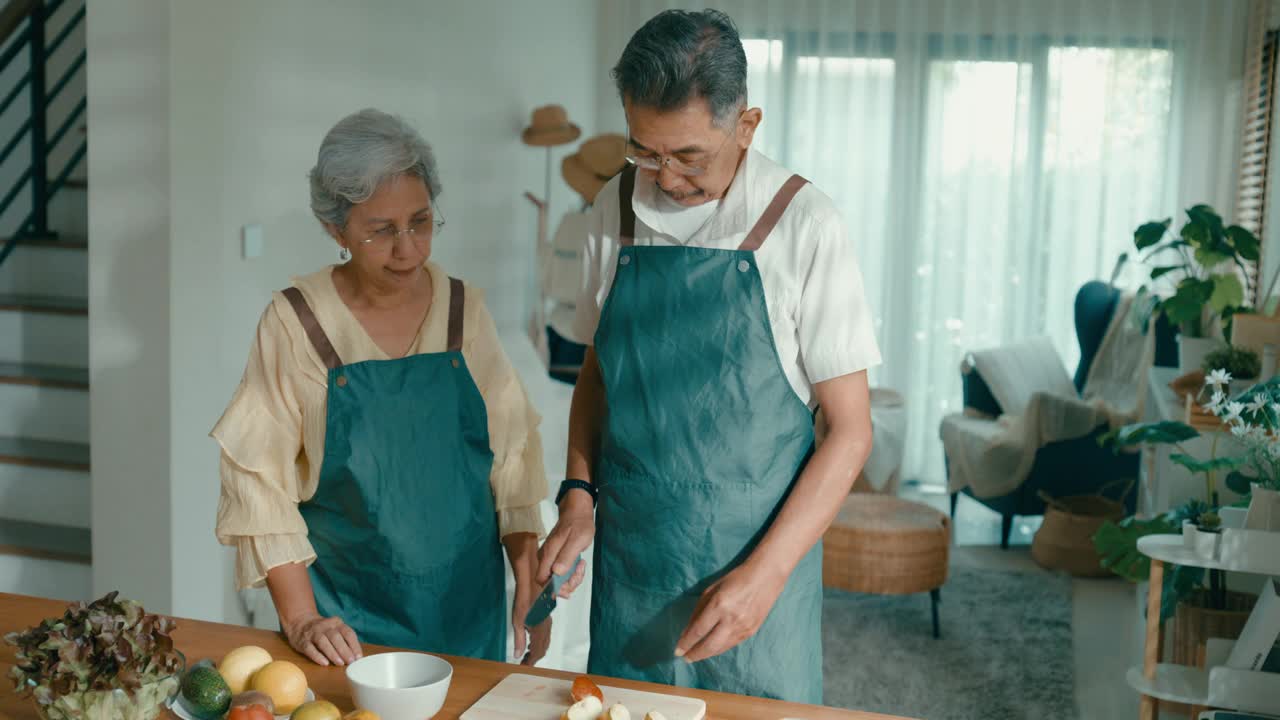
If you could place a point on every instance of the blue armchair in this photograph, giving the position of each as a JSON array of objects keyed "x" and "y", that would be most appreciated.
[{"x": 1077, "y": 466}]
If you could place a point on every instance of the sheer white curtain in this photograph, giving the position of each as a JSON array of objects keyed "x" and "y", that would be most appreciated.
[{"x": 989, "y": 156}]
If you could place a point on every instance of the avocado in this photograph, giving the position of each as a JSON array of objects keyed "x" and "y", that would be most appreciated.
[{"x": 204, "y": 693}]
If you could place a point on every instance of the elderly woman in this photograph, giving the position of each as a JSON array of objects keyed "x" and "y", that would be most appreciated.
[{"x": 380, "y": 449}]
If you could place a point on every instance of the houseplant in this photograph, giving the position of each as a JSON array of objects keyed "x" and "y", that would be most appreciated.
[
  {"x": 105, "y": 660},
  {"x": 1242, "y": 364},
  {"x": 1199, "y": 611},
  {"x": 1200, "y": 277}
]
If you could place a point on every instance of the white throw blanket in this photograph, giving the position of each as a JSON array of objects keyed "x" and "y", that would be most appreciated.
[{"x": 994, "y": 456}]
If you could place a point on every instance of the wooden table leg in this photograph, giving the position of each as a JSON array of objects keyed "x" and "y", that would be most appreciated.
[{"x": 1154, "y": 646}]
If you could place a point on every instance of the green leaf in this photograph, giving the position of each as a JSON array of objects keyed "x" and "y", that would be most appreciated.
[
  {"x": 1188, "y": 301},
  {"x": 1150, "y": 233},
  {"x": 1197, "y": 235},
  {"x": 1210, "y": 256},
  {"x": 1204, "y": 466},
  {"x": 1117, "y": 545},
  {"x": 1179, "y": 582},
  {"x": 1227, "y": 292},
  {"x": 1208, "y": 217},
  {"x": 1163, "y": 432},
  {"x": 1244, "y": 242},
  {"x": 1157, "y": 273},
  {"x": 1239, "y": 483}
]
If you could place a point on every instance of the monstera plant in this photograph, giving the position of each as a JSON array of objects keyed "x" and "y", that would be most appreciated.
[{"x": 1204, "y": 263}]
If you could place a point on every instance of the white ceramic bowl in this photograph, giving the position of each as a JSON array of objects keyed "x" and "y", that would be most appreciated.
[{"x": 400, "y": 685}]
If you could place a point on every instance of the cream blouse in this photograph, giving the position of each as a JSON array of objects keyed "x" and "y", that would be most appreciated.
[{"x": 272, "y": 433}]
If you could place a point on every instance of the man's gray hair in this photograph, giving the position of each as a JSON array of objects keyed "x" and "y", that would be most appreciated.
[
  {"x": 361, "y": 152},
  {"x": 680, "y": 55}
]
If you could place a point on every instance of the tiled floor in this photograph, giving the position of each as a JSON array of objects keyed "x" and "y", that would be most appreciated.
[{"x": 1106, "y": 625}]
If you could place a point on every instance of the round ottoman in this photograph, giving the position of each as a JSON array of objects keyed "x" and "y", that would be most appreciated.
[{"x": 888, "y": 546}]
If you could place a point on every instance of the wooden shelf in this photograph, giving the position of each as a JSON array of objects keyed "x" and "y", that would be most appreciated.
[{"x": 1169, "y": 549}]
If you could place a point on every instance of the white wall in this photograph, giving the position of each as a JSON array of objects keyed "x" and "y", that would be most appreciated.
[
  {"x": 129, "y": 282},
  {"x": 251, "y": 89}
]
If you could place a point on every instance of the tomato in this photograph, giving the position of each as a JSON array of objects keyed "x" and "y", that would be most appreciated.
[{"x": 250, "y": 712}]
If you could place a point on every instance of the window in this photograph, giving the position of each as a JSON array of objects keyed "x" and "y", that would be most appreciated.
[{"x": 984, "y": 180}]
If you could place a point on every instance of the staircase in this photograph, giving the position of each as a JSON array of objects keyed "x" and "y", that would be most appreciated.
[{"x": 45, "y": 544}]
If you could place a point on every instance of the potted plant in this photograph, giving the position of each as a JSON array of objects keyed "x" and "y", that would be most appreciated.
[
  {"x": 105, "y": 660},
  {"x": 1203, "y": 264},
  {"x": 1201, "y": 611},
  {"x": 1254, "y": 419},
  {"x": 1241, "y": 364}
]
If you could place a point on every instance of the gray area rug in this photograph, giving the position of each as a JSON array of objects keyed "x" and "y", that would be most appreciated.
[{"x": 1005, "y": 651}]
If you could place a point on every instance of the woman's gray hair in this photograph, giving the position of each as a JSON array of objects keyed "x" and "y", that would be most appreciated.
[{"x": 361, "y": 152}]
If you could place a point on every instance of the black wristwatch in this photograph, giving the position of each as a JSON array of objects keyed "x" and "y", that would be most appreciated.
[{"x": 568, "y": 485}]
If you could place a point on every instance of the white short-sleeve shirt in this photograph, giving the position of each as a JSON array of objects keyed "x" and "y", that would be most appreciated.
[{"x": 822, "y": 325}]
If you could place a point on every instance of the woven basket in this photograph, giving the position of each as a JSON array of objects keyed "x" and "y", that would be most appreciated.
[
  {"x": 1194, "y": 624},
  {"x": 883, "y": 544},
  {"x": 1065, "y": 538}
]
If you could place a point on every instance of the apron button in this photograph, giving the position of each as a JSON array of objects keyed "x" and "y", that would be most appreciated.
[
  {"x": 455, "y": 362},
  {"x": 743, "y": 266},
  {"x": 342, "y": 381},
  {"x": 624, "y": 260}
]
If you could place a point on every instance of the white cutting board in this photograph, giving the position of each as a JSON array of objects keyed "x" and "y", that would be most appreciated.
[{"x": 526, "y": 697}]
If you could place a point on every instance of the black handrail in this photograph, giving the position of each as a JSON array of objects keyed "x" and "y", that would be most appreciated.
[
  {"x": 66, "y": 29},
  {"x": 31, "y": 37},
  {"x": 66, "y": 76}
]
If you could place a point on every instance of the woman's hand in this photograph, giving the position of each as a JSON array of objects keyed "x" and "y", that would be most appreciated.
[
  {"x": 326, "y": 640},
  {"x": 530, "y": 643}
]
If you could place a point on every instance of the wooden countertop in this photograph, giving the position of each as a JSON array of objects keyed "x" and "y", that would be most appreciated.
[{"x": 471, "y": 678}]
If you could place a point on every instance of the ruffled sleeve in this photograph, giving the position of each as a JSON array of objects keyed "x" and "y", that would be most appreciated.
[
  {"x": 518, "y": 478},
  {"x": 260, "y": 434}
]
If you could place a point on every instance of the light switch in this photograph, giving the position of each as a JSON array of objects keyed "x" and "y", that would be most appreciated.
[{"x": 251, "y": 241}]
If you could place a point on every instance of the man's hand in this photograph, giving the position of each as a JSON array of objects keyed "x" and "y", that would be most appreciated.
[
  {"x": 572, "y": 535},
  {"x": 730, "y": 611}
]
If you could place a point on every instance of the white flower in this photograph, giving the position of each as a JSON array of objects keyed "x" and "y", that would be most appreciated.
[
  {"x": 1258, "y": 403},
  {"x": 1242, "y": 431},
  {"x": 1233, "y": 411},
  {"x": 1218, "y": 378},
  {"x": 1215, "y": 402}
]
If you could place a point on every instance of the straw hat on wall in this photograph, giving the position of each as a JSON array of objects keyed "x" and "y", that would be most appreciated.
[
  {"x": 550, "y": 126},
  {"x": 597, "y": 160}
]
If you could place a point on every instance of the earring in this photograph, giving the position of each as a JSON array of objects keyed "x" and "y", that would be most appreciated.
[{"x": 344, "y": 255}]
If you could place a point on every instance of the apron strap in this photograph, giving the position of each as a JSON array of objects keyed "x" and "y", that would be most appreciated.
[
  {"x": 457, "y": 301},
  {"x": 311, "y": 325},
  {"x": 626, "y": 212},
  {"x": 773, "y": 213}
]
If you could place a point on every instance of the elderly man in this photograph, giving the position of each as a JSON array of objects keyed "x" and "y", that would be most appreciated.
[{"x": 725, "y": 302}]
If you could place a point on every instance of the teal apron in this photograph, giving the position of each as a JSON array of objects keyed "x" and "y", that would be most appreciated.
[
  {"x": 403, "y": 520},
  {"x": 704, "y": 439}
]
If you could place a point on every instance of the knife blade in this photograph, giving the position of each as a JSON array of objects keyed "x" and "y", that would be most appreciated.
[{"x": 546, "y": 600}]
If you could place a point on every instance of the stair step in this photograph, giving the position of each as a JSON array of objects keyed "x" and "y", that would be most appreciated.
[
  {"x": 44, "y": 304},
  {"x": 61, "y": 242},
  {"x": 48, "y": 542},
  {"x": 44, "y": 376},
  {"x": 44, "y": 453}
]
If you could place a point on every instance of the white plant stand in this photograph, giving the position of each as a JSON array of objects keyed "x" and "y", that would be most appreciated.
[{"x": 1215, "y": 686}]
